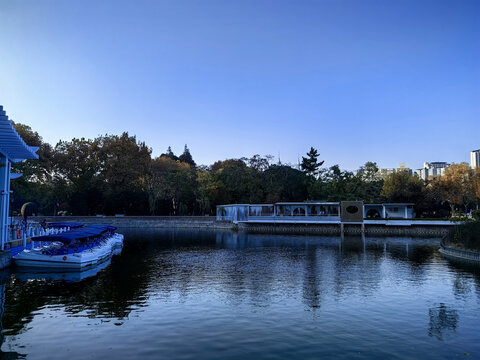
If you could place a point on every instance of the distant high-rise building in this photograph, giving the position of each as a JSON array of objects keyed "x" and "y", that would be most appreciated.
[
  {"x": 436, "y": 168},
  {"x": 420, "y": 173},
  {"x": 383, "y": 173},
  {"x": 475, "y": 159},
  {"x": 403, "y": 167}
]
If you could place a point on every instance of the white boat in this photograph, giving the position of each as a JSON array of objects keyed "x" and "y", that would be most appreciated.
[{"x": 75, "y": 249}]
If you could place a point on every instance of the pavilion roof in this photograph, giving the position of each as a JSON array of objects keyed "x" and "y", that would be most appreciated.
[{"x": 11, "y": 144}]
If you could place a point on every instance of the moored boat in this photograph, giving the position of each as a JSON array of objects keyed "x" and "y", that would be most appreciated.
[{"x": 78, "y": 248}]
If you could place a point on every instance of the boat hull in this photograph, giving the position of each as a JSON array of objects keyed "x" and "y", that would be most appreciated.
[{"x": 79, "y": 261}]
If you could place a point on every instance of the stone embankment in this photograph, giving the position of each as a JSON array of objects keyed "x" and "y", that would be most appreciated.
[
  {"x": 335, "y": 229},
  {"x": 210, "y": 222},
  {"x": 204, "y": 222}
]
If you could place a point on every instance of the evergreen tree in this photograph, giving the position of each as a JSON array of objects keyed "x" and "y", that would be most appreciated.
[
  {"x": 186, "y": 157},
  {"x": 310, "y": 164},
  {"x": 170, "y": 154}
]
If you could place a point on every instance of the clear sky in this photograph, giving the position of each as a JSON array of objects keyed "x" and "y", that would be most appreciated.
[{"x": 385, "y": 81}]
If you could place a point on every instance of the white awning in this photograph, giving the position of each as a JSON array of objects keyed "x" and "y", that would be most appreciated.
[
  {"x": 11, "y": 144},
  {"x": 15, "y": 175}
]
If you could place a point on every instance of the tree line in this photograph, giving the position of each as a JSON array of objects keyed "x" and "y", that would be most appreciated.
[{"x": 116, "y": 174}]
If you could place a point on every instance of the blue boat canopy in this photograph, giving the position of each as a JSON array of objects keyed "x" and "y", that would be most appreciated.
[
  {"x": 76, "y": 234},
  {"x": 57, "y": 225}
]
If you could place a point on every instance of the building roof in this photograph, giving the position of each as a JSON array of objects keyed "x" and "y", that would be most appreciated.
[
  {"x": 392, "y": 204},
  {"x": 11, "y": 144},
  {"x": 308, "y": 203},
  {"x": 315, "y": 203},
  {"x": 234, "y": 205}
]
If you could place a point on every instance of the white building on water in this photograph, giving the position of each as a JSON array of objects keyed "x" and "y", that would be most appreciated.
[
  {"x": 475, "y": 159},
  {"x": 312, "y": 212}
]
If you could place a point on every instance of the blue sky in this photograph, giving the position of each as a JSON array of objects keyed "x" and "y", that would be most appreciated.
[{"x": 385, "y": 81}]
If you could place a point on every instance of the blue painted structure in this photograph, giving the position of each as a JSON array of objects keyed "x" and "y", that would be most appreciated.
[{"x": 12, "y": 149}]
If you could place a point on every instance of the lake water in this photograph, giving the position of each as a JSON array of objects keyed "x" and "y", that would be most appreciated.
[{"x": 179, "y": 294}]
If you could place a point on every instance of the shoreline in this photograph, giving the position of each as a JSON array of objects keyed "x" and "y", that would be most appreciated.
[{"x": 210, "y": 222}]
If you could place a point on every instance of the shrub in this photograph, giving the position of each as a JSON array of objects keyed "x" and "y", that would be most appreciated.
[
  {"x": 476, "y": 215},
  {"x": 466, "y": 235},
  {"x": 459, "y": 218}
]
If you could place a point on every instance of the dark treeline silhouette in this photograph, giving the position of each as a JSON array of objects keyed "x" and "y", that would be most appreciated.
[{"x": 116, "y": 174}]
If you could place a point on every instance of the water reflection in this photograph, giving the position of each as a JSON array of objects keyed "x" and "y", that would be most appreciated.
[
  {"x": 69, "y": 276},
  {"x": 442, "y": 320},
  {"x": 111, "y": 294},
  {"x": 368, "y": 278},
  {"x": 313, "y": 274},
  {"x": 181, "y": 261},
  {"x": 5, "y": 355}
]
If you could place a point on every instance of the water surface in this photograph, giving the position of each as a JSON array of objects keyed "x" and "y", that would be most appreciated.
[{"x": 183, "y": 294}]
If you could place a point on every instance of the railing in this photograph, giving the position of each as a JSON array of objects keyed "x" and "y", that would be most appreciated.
[
  {"x": 460, "y": 254},
  {"x": 294, "y": 218},
  {"x": 231, "y": 218},
  {"x": 18, "y": 230}
]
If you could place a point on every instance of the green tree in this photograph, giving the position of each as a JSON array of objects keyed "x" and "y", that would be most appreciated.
[
  {"x": 186, "y": 157},
  {"x": 283, "y": 183},
  {"x": 171, "y": 182},
  {"x": 36, "y": 174},
  {"x": 34, "y": 170},
  {"x": 77, "y": 167},
  {"x": 457, "y": 186},
  {"x": 368, "y": 172},
  {"x": 242, "y": 183},
  {"x": 124, "y": 164},
  {"x": 340, "y": 185},
  {"x": 370, "y": 184},
  {"x": 310, "y": 164},
  {"x": 169, "y": 153},
  {"x": 259, "y": 163},
  {"x": 210, "y": 191},
  {"x": 403, "y": 187}
]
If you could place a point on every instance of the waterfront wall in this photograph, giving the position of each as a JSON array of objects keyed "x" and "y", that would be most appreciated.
[
  {"x": 335, "y": 229},
  {"x": 209, "y": 222},
  {"x": 144, "y": 221}
]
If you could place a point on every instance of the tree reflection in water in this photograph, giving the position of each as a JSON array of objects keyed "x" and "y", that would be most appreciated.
[
  {"x": 311, "y": 290},
  {"x": 168, "y": 260},
  {"x": 442, "y": 320},
  {"x": 260, "y": 270},
  {"x": 111, "y": 294},
  {"x": 5, "y": 355}
]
